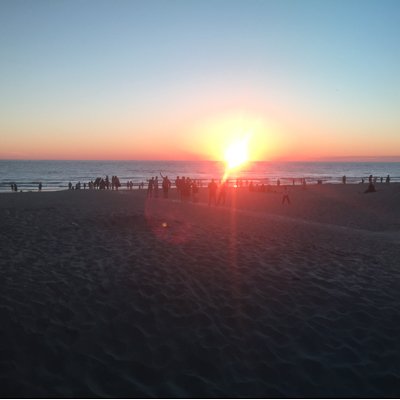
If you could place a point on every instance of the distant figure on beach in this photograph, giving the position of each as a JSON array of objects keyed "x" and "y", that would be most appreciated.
[
  {"x": 70, "y": 186},
  {"x": 166, "y": 184},
  {"x": 370, "y": 188},
  {"x": 344, "y": 179},
  {"x": 185, "y": 188},
  {"x": 12, "y": 187},
  {"x": 278, "y": 182},
  {"x": 155, "y": 187},
  {"x": 178, "y": 185},
  {"x": 285, "y": 196},
  {"x": 195, "y": 191},
  {"x": 370, "y": 179},
  {"x": 212, "y": 192},
  {"x": 115, "y": 182},
  {"x": 40, "y": 186},
  {"x": 150, "y": 187},
  {"x": 222, "y": 194},
  {"x": 388, "y": 179}
]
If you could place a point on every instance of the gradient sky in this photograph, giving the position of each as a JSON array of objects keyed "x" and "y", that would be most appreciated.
[{"x": 166, "y": 79}]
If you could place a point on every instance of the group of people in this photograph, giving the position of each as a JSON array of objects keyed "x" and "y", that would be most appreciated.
[
  {"x": 104, "y": 184},
  {"x": 186, "y": 187},
  {"x": 153, "y": 186},
  {"x": 101, "y": 184},
  {"x": 212, "y": 193},
  {"x": 14, "y": 187},
  {"x": 372, "y": 182}
]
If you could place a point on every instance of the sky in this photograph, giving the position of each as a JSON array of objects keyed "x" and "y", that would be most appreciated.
[{"x": 169, "y": 79}]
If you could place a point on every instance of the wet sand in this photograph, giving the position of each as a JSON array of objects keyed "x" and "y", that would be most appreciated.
[{"x": 108, "y": 293}]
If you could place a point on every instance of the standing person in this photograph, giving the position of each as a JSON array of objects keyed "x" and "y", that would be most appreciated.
[
  {"x": 155, "y": 187},
  {"x": 150, "y": 187},
  {"x": 182, "y": 184},
  {"x": 117, "y": 182},
  {"x": 185, "y": 188},
  {"x": 222, "y": 194},
  {"x": 285, "y": 196},
  {"x": 195, "y": 190},
  {"x": 166, "y": 184},
  {"x": 178, "y": 185},
  {"x": 344, "y": 179},
  {"x": 212, "y": 192},
  {"x": 40, "y": 186}
]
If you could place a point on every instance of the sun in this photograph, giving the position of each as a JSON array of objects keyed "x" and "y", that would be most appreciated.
[{"x": 237, "y": 153}]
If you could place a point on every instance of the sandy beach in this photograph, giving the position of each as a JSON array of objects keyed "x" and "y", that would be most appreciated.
[{"x": 110, "y": 294}]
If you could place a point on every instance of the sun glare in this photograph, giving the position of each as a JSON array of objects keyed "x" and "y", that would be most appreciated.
[{"x": 237, "y": 153}]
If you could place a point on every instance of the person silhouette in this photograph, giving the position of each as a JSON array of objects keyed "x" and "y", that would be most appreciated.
[
  {"x": 222, "y": 194},
  {"x": 166, "y": 184},
  {"x": 150, "y": 187},
  {"x": 212, "y": 192}
]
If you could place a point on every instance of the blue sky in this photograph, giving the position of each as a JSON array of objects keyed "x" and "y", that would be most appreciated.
[{"x": 324, "y": 74}]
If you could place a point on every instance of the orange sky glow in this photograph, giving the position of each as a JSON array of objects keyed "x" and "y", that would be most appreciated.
[{"x": 184, "y": 80}]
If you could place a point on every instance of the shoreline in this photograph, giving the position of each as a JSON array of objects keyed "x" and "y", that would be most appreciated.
[
  {"x": 56, "y": 175},
  {"x": 205, "y": 182}
]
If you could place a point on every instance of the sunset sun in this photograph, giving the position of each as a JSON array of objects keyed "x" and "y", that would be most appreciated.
[{"x": 237, "y": 153}]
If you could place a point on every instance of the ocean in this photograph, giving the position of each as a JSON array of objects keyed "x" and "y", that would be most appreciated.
[{"x": 55, "y": 175}]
